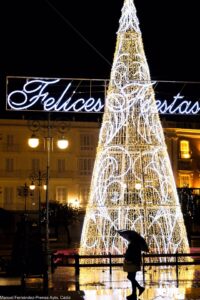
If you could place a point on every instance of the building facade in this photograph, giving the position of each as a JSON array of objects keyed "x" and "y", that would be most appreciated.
[
  {"x": 71, "y": 169},
  {"x": 183, "y": 142}
]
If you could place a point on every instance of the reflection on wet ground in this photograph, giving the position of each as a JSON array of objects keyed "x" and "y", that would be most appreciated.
[
  {"x": 99, "y": 284},
  {"x": 160, "y": 283}
]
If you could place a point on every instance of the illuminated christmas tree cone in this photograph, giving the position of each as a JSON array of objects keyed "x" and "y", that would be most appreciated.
[{"x": 132, "y": 185}]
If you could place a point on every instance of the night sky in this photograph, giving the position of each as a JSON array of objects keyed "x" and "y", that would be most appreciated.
[
  {"x": 43, "y": 37},
  {"x": 76, "y": 38}
]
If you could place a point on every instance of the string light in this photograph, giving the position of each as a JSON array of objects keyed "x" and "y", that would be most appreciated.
[{"x": 132, "y": 184}]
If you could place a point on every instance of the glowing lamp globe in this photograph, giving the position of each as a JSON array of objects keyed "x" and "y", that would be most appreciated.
[
  {"x": 33, "y": 142},
  {"x": 32, "y": 186},
  {"x": 62, "y": 144}
]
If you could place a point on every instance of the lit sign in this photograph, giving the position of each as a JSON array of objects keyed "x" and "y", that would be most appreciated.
[
  {"x": 37, "y": 93},
  {"x": 81, "y": 95},
  {"x": 178, "y": 106}
]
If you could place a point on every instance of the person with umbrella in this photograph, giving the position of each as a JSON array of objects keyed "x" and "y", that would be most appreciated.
[{"x": 133, "y": 255}]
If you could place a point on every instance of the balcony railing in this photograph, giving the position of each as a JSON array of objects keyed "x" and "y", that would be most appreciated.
[
  {"x": 10, "y": 148},
  {"x": 26, "y": 174},
  {"x": 185, "y": 164}
]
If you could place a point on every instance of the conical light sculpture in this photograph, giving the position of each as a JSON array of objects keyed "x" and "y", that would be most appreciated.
[{"x": 132, "y": 185}]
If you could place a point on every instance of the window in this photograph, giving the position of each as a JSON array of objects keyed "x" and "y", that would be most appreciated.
[
  {"x": 87, "y": 142},
  {"x": 8, "y": 197},
  {"x": 61, "y": 194},
  {"x": 10, "y": 139},
  {"x": 185, "y": 149},
  {"x": 9, "y": 142},
  {"x": 84, "y": 195},
  {"x": 185, "y": 180},
  {"x": 9, "y": 165},
  {"x": 61, "y": 165},
  {"x": 86, "y": 166}
]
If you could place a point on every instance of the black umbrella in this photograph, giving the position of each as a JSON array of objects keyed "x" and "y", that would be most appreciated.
[{"x": 135, "y": 237}]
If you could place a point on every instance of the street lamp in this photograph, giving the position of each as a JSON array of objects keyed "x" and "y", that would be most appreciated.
[
  {"x": 62, "y": 144},
  {"x": 33, "y": 141},
  {"x": 36, "y": 126},
  {"x": 75, "y": 204},
  {"x": 37, "y": 178}
]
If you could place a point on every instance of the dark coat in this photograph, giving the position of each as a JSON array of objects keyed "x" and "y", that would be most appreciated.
[{"x": 134, "y": 254}]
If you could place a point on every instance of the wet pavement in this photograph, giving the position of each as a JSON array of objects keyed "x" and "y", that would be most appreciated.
[
  {"x": 160, "y": 283},
  {"x": 99, "y": 284}
]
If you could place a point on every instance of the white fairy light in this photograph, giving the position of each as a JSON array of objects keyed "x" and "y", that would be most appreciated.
[
  {"x": 129, "y": 20},
  {"x": 132, "y": 184}
]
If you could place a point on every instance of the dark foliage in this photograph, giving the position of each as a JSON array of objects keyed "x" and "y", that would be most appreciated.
[{"x": 60, "y": 215}]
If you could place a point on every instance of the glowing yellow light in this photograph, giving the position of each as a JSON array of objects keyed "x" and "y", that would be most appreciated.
[
  {"x": 75, "y": 203},
  {"x": 33, "y": 142},
  {"x": 185, "y": 149},
  {"x": 32, "y": 186},
  {"x": 62, "y": 144},
  {"x": 138, "y": 186}
]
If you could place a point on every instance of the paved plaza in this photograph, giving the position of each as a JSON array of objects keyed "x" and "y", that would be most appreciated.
[
  {"x": 99, "y": 284},
  {"x": 96, "y": 283},
  {"x": 160, "y": 283}
]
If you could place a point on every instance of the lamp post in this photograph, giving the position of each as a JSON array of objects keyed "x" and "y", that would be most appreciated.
[
  {"x": 23, "y": 191},
  {"x": 62, "y": 143},
  {"x": 37, "y": 178}
]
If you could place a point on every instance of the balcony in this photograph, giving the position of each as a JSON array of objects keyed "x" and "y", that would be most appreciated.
[
  {"x": 185, "y": 164},
  {"x": 26, "y": 174},
  {"x": 10, "y": 148}
]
